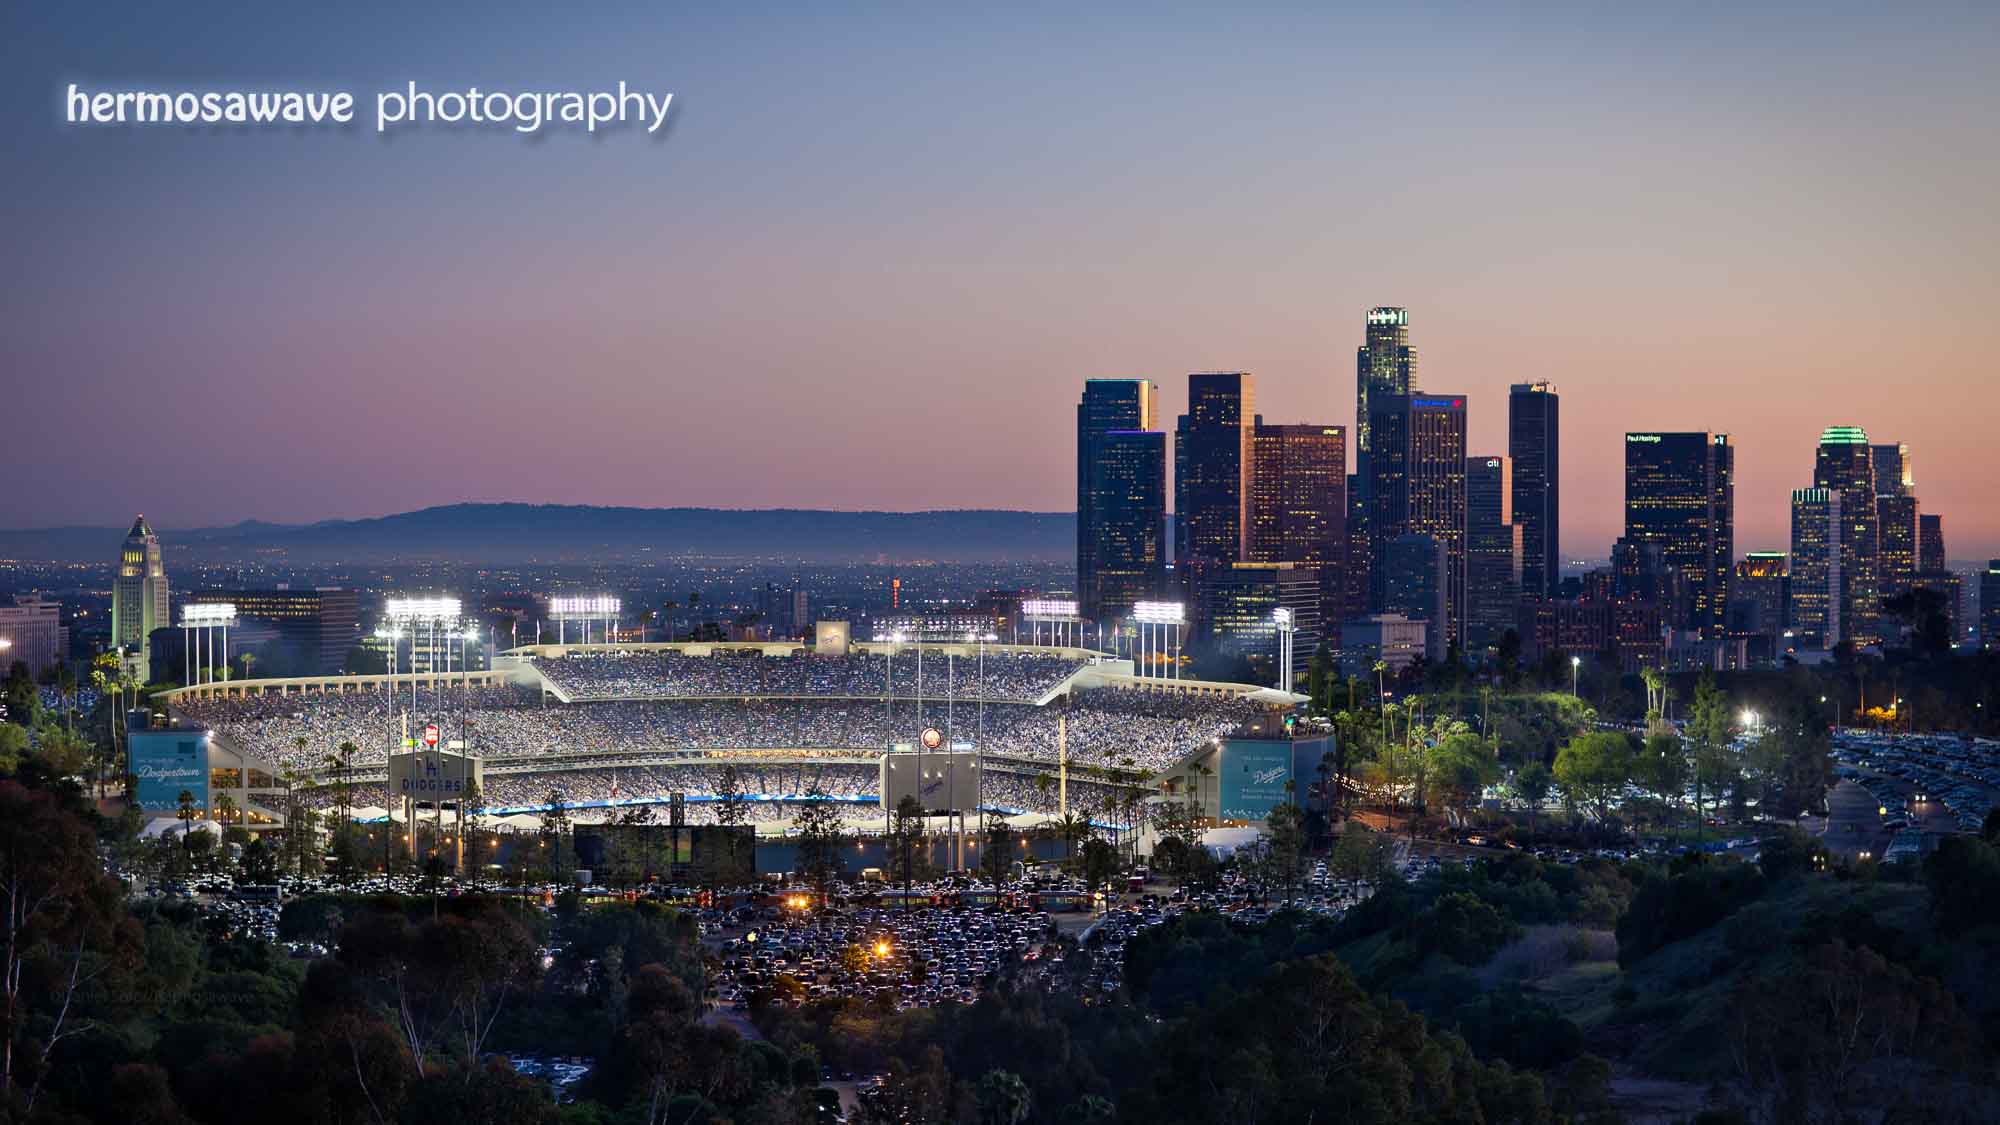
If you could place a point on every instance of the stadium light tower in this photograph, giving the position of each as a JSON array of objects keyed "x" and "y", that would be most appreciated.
[
  {"x": 208, "y": 618},
  {"x": 1159, "y": 627},
  {"x": 586, "y": 609},
  {"x": 1282, "y": 618},
  {"x": 1061, "y": 615},
  {"x": 422, "y": 617}
]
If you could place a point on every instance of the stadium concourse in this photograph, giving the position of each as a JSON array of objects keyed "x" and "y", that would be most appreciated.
[{"x": 605, "y": 727}]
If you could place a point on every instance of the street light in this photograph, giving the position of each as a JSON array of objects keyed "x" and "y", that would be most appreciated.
[{"x": 1575, "y": 667}]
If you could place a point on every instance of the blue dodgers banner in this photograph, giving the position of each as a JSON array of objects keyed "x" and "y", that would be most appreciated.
[
  {"x": 166, "y": 763},
  {"x": 1255, "y": 774}
]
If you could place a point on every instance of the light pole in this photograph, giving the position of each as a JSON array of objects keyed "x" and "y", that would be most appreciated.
[
  {"x": 979, "y": 747},
  {"x": 1282, "y": 618},
  {"x": 1575, "y": 667}
]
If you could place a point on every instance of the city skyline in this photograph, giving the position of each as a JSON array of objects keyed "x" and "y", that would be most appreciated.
[{"x": 852, "y": 232}]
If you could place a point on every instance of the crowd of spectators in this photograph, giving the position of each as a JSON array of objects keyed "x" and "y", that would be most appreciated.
[
  {"x": 773, "y": 792},
  {"x": 674, "y": 675},
  {"x": 1107, "y": 728}
]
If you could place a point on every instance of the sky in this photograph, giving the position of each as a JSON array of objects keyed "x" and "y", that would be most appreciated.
[{"x": 878, "y": 248}]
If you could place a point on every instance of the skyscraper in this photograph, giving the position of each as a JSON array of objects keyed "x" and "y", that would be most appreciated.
[
  {"x": 1235, "y": 610},
  {"x": 1757, "y": 597},
  {"x": 1845, "y": 463},
  {"x": 1895, "y": 520},
  {"x": 1121, "y": 495},
  {"x": 1533, "y": 447},
  {"x": 1493, "y": 551},
  {"x": 1212, "y": 466},
  {"x": 32, "y": 633},
  {"x": 1415, "y": 585},
  {"x": 1817, "y": 557},
  {"x": 1893, "y": 473},
  {"x": 1896, "y": 553},
  {"x": 316, "y": 628},
  {"x": 1358, "y": 565},
  {"x": 1298, "y": 504},
  {"x": 139, "y": 595},
  {"x": 1930, "y": 544},
  {"x": 1989, "y": 604},
  {"x": 1680, "y": 494},
  {"x": 1418, "y": 467},
  {"x": 1384, "y": 364}
]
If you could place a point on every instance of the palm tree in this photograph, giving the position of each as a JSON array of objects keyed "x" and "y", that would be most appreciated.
[
  {"x": 1071, "y": 828},
  {"x": 97, "y": 684},
  {"x": 66, "y": 692}
]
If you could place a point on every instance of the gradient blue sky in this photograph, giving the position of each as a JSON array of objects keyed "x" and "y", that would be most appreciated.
[{"x": 881, "y": 246}]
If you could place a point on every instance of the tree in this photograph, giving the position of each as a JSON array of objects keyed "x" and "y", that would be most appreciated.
[
  {"x": 820, "y": 834},
  {"x": 1002, "y": 1098},
  {"x": 1509, "y": 658},
  {"x": 1071, "y": 828},
  {"x": 1459, "y": 767},
  {"x": 1708, "y": 744},
  {"x": 998, "y": 858},
  {"x": 1179, "y": 824},
  {"x": 62, "y": 753},
  {"x": 445, "y": 978},
  {"x": 1362, "y": 855},
  {"x": 1100, "y": 861},
  {"x": 260, "y": 861},
  {"x": 732, "y": 810},
  {"x": 62, "y": 928},
  {"x": 1840, "y": 1032},
  {"x": 1792, "y": 756},
  {"x": 1661, "y": 767},
  {"x": 24, "y": 702},
  {"x": 1594, "y": 768},
  {"x": 555, "y": 825},
  {"x": 1532, "y": 784},
  {"x": 13, "y": 747},
  {"x": 1285, "y": 854},
  {"x": 472, "y": 809},
  {"x": 906, "y": 833}
]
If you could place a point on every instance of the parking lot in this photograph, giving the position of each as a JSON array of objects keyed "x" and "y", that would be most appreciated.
[{"x": 1921, "y": 783}]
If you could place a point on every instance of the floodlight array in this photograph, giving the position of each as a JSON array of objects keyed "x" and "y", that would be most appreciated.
[
  {"x": 207, "y": 615},
  {"x": 591, "y": 606},
  {"x": 422, "y": 609}
]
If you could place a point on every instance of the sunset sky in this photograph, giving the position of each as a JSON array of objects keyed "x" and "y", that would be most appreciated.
[{"x": 878, "y": 248}]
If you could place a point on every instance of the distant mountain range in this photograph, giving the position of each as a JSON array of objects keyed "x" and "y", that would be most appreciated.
[{"x": 520, "y": 533}]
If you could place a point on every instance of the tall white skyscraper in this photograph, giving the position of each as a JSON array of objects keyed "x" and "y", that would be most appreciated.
[{"x": 139, "y": 595}]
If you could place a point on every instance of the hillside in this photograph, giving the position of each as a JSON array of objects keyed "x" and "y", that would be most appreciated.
[{"x": 520, "y": 533}]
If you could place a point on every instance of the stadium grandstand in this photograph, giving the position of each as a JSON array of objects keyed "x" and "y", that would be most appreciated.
[{"x": 604, "y": 726}]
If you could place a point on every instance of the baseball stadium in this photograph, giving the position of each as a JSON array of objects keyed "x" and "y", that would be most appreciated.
[{"x": 1025, "y": 731}]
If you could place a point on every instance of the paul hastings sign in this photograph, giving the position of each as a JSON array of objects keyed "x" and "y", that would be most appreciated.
[{"x": 433, "y": 775}]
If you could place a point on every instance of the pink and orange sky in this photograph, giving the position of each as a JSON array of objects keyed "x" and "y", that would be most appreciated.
[{"x": 879, "y": 248}]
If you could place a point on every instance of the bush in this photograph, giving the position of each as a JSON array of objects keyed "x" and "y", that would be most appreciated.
[
  {"x": 1668, "y": 909},
  {"x": 1462, "y": 927}
]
